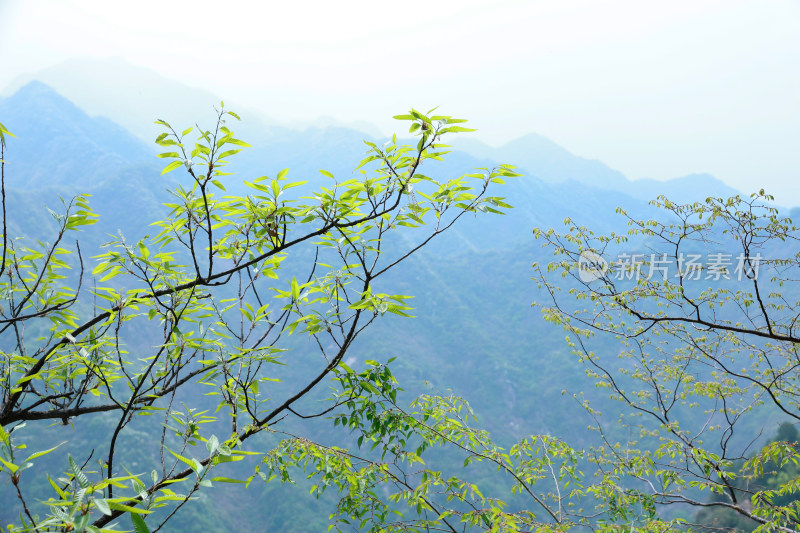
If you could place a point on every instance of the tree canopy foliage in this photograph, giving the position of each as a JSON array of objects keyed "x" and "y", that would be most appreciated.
[
  {"x": 210, "y": 304},
  {"x": 706, "y": 351}
]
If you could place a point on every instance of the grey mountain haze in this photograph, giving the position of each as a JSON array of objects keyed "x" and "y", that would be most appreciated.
[{"x": 134, "y": 97}]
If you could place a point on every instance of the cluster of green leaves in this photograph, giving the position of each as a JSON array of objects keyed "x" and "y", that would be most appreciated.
[
  {"x": 771, "y": 476},
  {"x": 701, "y": 357},
  {"x": 393, "y": 482},
  {"x": 212, "y": 302}
]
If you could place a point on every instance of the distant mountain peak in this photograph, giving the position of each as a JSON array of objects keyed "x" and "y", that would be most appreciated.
[
  {"x": 535, "y": 139},
  {"x": 34, "y": 87},
  {"x": 62, "y": 145},
  {"x": 689, "y": 188},
  {"x": 36, "y": 92},
  {"x": 544, "y": 158},
  {"x": 134, "y": 96}
]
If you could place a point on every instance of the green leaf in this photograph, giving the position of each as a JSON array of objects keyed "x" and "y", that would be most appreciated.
[
  {"x": 228, "y": 153},
  {"x": 456, "y": 129},
  {"x": 237, "y": 142},
  {"x": 102, "y": 506},
  {"x": 114, "y": 271},
  {"x": 172, "y": 166},
  {"x": 212, "y": 444},
  {"x": 10, "y": 466},
  {"x": 81, "y": 522},
  {"x": 192, "y": 463},
  {"x": 4, "y": 131},
  {"x": 228, "y": 480},
  {"x": 138, "y": 524},
  {"x": 127, "y": 508},
  {"x": 83, "y": 481},
  {"x": 39, "y": 454}
]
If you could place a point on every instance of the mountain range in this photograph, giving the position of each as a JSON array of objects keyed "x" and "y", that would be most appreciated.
[{"x": 134, "y": 97}]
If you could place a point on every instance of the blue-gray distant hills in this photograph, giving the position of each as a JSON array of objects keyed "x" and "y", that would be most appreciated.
[
  {"x": 61, "y": 150},
  {"x": 58, "y": 144},
  {"x": 134, "y": 97},
  {"x": 545, "y": 159}
]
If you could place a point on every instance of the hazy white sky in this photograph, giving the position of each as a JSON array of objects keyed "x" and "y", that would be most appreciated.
[{"x": 654, "y": 89}]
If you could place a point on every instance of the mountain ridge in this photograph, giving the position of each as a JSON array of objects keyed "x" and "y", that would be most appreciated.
[
  {"x": 47, "y": 126},
  {"x": 99, "y": 85}
]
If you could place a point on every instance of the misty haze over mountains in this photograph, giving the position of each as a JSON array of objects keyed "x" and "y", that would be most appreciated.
[{"x": 134, "y": 97}]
